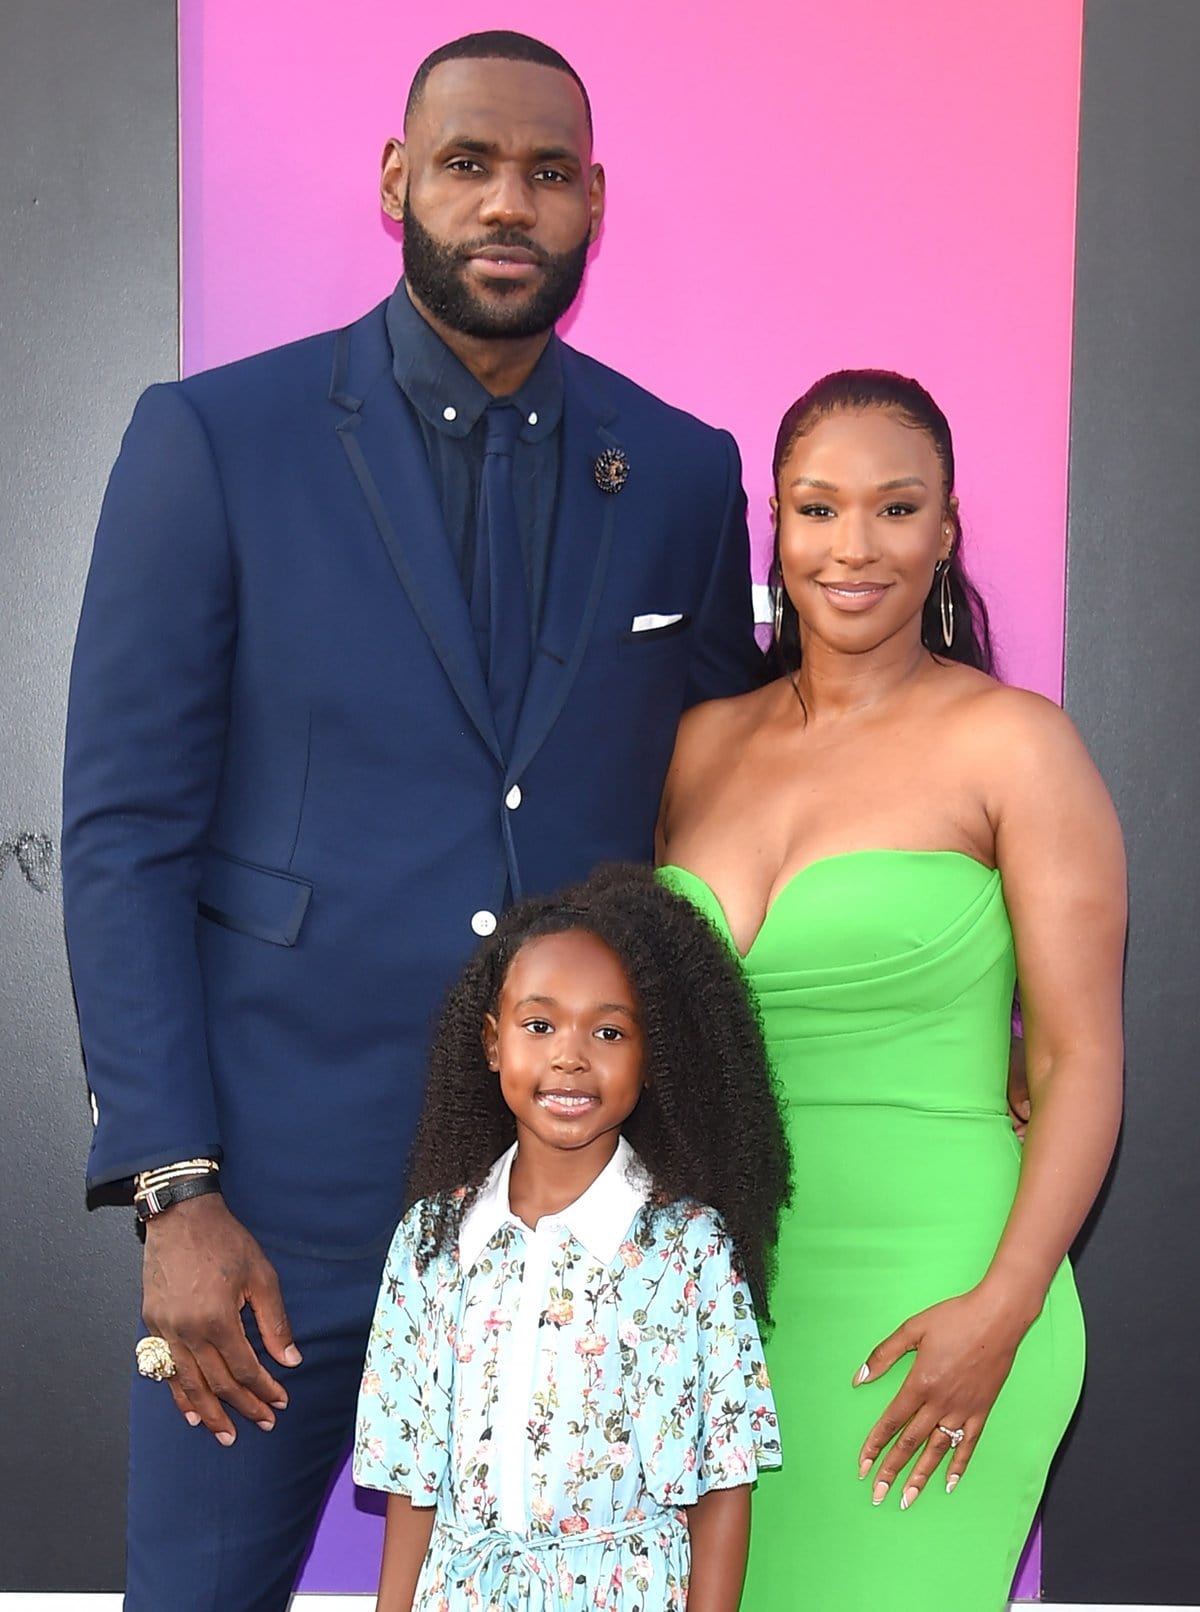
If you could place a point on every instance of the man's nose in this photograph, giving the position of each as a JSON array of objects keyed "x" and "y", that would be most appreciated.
[{"x": 508, "y": 200}]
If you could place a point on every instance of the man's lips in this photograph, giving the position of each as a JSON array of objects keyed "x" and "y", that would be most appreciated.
[{"x": 506, "y": 262}]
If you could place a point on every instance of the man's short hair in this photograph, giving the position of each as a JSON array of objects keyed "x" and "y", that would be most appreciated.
[{"x": 496, "y": 44}]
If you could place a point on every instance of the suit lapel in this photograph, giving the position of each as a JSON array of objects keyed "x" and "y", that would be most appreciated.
[
  {"x": 582, "y": 541},
  {"x": 386, "y": 453}
]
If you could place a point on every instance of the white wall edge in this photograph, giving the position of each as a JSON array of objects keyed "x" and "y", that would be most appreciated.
[{"x": 29, "y": 1601}]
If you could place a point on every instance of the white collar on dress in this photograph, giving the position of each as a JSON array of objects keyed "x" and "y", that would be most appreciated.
[{"x": 599, "y": 1218}]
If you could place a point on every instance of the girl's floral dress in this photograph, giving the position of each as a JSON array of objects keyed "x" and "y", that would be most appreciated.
[{"x": 559, "y": 1394}]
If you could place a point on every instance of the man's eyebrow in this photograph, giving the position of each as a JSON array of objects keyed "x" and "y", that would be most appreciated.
[{"x": 489, "y": 148}]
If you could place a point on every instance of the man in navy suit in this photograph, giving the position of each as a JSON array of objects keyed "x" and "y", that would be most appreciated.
[{"x": 339, "y": 693}]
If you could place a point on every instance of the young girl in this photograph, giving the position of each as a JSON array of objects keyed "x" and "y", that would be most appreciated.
[{"x": 565, "y": 1394}]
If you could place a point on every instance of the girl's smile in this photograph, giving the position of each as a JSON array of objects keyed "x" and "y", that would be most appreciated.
[{"x": 566, "y": 1041}]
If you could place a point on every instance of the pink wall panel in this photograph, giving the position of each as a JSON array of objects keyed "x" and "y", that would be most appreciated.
[{"x": 793, "y": 187}]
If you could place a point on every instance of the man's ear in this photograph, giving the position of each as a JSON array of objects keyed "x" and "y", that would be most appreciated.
[
  {"x": 490, "y": 1036},
  {"x": 393, "y": 179},
  {"x": 596, "y": 196}
]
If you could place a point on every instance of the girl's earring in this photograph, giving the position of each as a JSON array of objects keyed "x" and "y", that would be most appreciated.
[{"x": 946, "y": 604}]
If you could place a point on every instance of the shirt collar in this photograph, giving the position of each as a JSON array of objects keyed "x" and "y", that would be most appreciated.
[
  {"x": 599, "y": 1218},
  {"x": 447, "y": 395}
]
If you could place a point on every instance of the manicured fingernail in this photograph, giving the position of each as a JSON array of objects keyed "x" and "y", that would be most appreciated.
[
  {"x": 879, "y": 1493},
  {"x": 861, "y": 1375},
  {"x": 191, "y": 1418},
  {"x": 909, "y": 1495},
  {"x": 226, "y": 1439},
  {"x": 952, "y": 1482},
  {"x": 292, "y": 1355},
  {"x": 864, "y": 1466},
  {"x": 266, "y": 1426},
  {"x": 279, "y": 1404}
]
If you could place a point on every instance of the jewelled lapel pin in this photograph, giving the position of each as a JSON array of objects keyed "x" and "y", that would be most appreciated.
[{"x": 611, "y": 470}]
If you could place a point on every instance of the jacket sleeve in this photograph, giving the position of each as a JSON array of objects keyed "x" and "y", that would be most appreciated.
[
  {"x": 726, "y": 659},
  {"x": 147, "y": 717}
]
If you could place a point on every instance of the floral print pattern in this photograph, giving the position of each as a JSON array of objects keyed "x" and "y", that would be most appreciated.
[{"x": 648, "y": 1389}]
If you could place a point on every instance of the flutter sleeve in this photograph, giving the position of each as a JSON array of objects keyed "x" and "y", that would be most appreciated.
[
  {"x": 696, "y": 1381},
  {"x": 402, "y": 1436},
  {"x": 738, "y": 1431}
]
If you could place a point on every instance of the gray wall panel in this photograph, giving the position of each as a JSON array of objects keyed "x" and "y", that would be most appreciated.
[
  {"x": 88, "y": 315},
  {"x": 1119, "y": 1515}
]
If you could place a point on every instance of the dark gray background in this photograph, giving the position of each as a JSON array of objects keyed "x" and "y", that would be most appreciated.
[
  {"x": 1120, "y": 1513},
  {"x": 88, "y": 316}
]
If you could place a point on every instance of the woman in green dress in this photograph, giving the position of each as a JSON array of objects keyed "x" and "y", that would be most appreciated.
[{"x": 891, "y": 838}]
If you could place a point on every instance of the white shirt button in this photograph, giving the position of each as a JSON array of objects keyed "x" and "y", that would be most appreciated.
[
  {"x": 484, "y": 922},
  {"x": 449, "y": 412},
  {"x": 533, "y": 418},
  {"x": 513, "y": 799}
]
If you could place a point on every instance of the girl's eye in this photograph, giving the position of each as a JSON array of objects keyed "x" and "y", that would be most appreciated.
[
  {"x": 818, "y": 512},
  {"x": 609, "y": 1032},
  {"x": 538, "y": 1026},
  {"x": 901, "y": 509}
]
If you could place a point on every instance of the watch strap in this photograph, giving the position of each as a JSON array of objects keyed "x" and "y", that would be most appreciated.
[{"x": 155, "y": 1200}]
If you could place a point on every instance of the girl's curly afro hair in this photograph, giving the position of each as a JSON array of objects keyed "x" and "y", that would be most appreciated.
[{"x": 707, "y": 1126}]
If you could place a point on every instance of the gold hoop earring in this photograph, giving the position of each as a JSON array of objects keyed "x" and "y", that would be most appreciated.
[
  {"x": 946, "y": 604},
  {"x": 777, "y": 625}
]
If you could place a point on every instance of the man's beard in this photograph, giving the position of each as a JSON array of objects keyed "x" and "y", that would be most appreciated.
[{"x": 436, "y": 274}]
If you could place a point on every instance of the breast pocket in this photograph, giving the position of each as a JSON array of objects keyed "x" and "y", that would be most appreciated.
[
  {"x": 646, "y": 637},
  {"x": 253, "y": 900}
]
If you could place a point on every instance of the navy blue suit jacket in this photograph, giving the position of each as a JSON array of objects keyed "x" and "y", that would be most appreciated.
[{"x": 284, "y": 798}]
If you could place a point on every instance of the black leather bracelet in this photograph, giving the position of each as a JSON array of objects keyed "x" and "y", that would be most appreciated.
[{"x": 155, "y": 1202}]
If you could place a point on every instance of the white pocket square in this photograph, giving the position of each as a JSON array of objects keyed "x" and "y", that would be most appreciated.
[{"x": 649, "y": 622}]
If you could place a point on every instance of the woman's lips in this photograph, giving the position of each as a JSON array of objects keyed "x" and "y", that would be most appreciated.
[{"x": 853, "y": 596}]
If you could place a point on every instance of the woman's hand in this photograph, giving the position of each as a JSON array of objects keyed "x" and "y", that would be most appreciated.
[{"x": 965, "y": 1348}]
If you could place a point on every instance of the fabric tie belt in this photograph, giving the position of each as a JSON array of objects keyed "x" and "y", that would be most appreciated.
[{"x": 492, "y": 1557}]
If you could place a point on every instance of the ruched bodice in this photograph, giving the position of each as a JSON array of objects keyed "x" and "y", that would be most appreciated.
[
  {"x": 894, "y": 949},
  {"x": 885, "y": 980}
]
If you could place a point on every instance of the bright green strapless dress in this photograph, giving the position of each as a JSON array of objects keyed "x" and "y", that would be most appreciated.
[{"x": 885, "y": 980}]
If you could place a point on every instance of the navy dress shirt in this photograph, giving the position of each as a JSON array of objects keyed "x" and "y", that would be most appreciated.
[{"x": 448, "y": 404}]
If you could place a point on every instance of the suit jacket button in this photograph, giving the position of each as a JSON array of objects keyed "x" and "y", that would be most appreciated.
[
  {"x": 513, "y": 799},
  {"x": 483, "y": 922}
]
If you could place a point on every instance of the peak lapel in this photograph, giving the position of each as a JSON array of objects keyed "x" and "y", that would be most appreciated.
[
  {"x": 583, "y": 533},
  {"x": 387, "y": 455}
]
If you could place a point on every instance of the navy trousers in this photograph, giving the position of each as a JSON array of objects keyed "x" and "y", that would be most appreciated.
[{"x": 225, "y": 1530}]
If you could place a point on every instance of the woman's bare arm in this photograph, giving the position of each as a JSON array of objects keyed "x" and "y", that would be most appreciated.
[{"x": 1058, "y": 847}]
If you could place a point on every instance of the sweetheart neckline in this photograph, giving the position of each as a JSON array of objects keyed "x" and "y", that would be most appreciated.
[{"x": 794, "y": 878}]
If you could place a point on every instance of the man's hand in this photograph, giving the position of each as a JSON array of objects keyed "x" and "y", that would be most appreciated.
[{"x": 201, "y": 1266}]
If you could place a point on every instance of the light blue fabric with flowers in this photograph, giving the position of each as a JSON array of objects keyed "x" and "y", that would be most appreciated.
[{"x": 559, "y": 1393}]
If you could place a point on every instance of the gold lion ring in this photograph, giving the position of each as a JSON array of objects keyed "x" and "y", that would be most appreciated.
[
  {"x": 154, "y": 1359},
  {"x": 954, "y": 1434}
]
